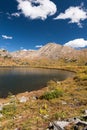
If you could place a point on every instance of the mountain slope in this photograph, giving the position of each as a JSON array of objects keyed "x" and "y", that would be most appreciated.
[
  {"x": 51, "y": 50},
  {"x": 24, "y": 54},
  {"x": 4, "y": 53},
  {"x": 55, "y": 51}
]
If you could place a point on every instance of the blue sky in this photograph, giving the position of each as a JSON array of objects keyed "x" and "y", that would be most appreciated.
[{"x": 28, "y": 24}]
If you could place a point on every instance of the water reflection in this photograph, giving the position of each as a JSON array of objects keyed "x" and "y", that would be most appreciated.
[{"x": 17, "y": 80}]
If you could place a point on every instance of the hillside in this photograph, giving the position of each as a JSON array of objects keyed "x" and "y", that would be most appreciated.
[
  {"x": 45, "y": 55},
  {"x": 58, "y": 100},
  {"x": 4, "y": 53},
  {"x": 51, "y": 50}
]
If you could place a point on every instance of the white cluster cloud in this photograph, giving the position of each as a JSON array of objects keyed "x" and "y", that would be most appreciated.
[
  {"x": 75, "y": 14},
  {"x": 77, "y": 43},
  {"x": 10, "y": 15},
  {"x": 16, "y": 14},
  {"x": 37, "y": 9},
  {"x": 38, "y": 46},
  {"x": 7, "y": 37}
]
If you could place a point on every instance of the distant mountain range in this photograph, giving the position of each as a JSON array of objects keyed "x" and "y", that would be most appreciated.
[{"x": 50, "y": 50}]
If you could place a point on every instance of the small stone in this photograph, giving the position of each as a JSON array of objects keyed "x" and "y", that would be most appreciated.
[
  {"x": 23, "y": 99},
  {"x": 46, "y": 116},
  {"x": 1, "y": 107},
  {"x": 51, "y": 127},
  {"x": 58, "y": 82},
  {"x": 64, "y": 103},
  {"x": 74, "y": 120},
  {"x": 20, "y": 117},
  {"x": 1, "y": 115},
  {"x": 86, "y": 112},
  {"x": 61, "y": 124},
  {"x": 6, "y": 104},
  {"x": 35, "y": 97}
]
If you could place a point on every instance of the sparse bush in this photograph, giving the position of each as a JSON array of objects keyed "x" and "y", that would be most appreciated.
[{"x": 52, "y": 94}]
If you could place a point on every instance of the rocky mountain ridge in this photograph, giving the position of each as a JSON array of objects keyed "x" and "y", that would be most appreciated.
[{"x": 50, "y": 50}]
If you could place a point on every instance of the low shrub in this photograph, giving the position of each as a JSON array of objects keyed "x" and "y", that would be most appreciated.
[{"x": 52, "y": 94}]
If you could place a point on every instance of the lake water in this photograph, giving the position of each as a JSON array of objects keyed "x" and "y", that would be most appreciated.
[{"x": 18, "y": 80}]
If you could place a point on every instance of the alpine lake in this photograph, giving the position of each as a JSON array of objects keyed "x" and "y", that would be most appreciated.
[{"x": 19, "y": 80}]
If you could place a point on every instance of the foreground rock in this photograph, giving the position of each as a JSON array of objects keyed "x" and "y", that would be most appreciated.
[
  {"x": 73, "y": 123},
  {"x": 23, "y": 99}
]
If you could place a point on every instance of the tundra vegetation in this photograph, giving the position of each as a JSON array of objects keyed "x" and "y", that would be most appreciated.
[{"x": 57, "y": 101}]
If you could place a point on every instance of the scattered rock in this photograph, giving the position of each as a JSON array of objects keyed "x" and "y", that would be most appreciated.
[
  {"x": 23, "y": 99},
  {"x": 76, "y": 123},
  {"x": 58, "y": 125},
  {"x": 8, "y": 103},
  {"x": 64, "y": 103},
  {"x": 51, "y": 127},
  {"x": 20, "y": 117},
  {"x": 61, "y": 124},
  {"x": 85, "y": 112},
  {"x": 1, "y": 107},
  {"x": 1, "y": 115},
  {"x": 46, "y": 116},
  {"x": 74, "y": 120},
  {"x": 35, "y": 97},
  {"x": 58, "y": 82}
]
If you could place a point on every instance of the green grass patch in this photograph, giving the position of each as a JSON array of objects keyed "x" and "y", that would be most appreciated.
[
  {"x": 52, "y": 94},
  {"x": 9, "y": 111}
]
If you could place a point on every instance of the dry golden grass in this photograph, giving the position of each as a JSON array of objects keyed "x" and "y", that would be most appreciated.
[{"x": 36, "y": 114}]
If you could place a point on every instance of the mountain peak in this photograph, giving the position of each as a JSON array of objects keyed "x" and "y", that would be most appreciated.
[
  {"x": 50, "y": 50},
  {"x": 52, "y": 44}
]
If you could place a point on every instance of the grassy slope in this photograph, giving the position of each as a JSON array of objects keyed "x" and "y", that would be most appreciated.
[{"x": 36, "y": 114}]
